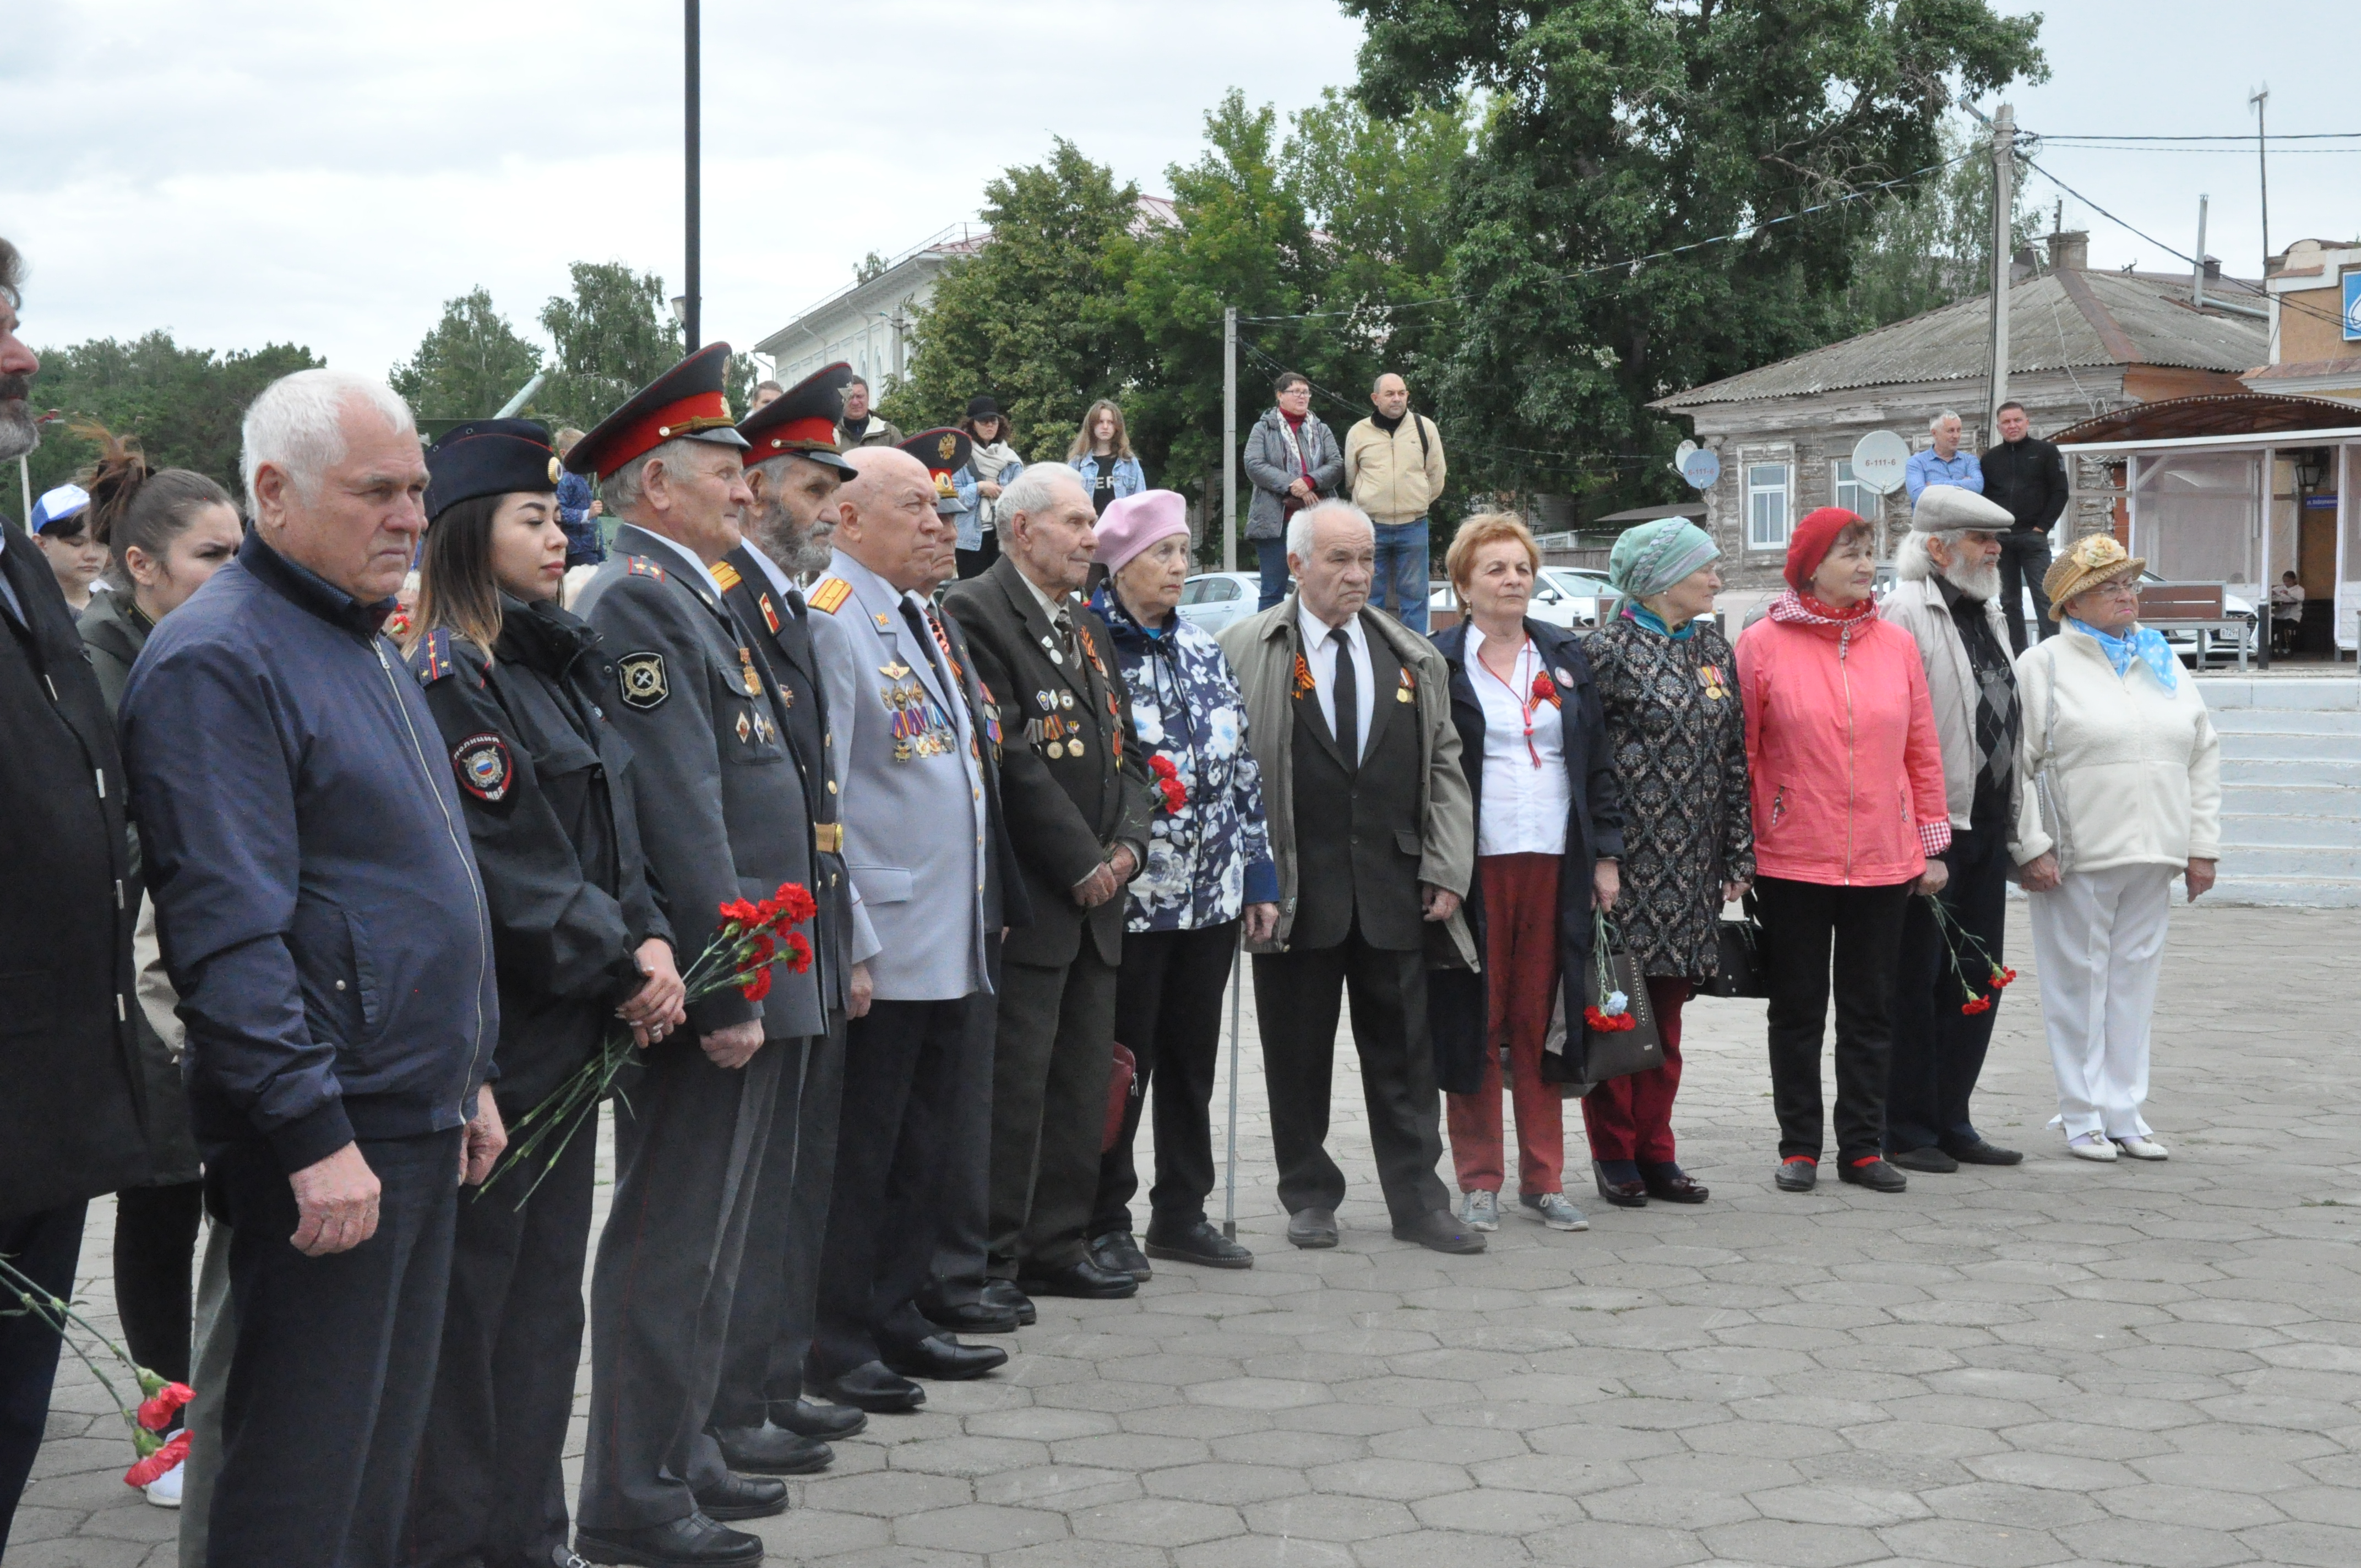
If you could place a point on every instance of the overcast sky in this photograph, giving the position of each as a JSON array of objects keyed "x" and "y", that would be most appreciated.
[{"x": 240, "y": 171}]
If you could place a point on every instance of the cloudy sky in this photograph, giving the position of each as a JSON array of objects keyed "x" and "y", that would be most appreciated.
[{"x": 241, "y": 172}]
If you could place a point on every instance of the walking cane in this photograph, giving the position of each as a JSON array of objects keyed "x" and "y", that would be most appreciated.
[{"x": 1237, "y": 991}]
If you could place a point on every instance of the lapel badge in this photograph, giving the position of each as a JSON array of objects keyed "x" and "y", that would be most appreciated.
[
  {"x": 894, "y": 669},
  {"x": 1565, "y": 677},
  {"x": 746, "y": 729},
  {"x": 746, "y": 668},
  {"x": 1066, "y": 699},
  {"x": 1047, "y": 699},
  {"x": 770, "y": 616}
]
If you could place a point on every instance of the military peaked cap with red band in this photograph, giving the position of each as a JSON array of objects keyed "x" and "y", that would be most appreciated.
[
  {"x": 801, "y": 421},
  {"x": 685, "y": 403},
  {"x": 944, "y": 452}
]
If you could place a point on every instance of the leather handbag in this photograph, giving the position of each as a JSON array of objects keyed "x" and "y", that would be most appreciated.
[
  {"x": 1619, "y": 1053},
  {"x": 1122, "y": 1077},
  {"x": 1743, "y": 971}
]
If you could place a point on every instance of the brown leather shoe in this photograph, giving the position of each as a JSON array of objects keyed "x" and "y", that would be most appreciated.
[{"x": 1672, "y": 1184}]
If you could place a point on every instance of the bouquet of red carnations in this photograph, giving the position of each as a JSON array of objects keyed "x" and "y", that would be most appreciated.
[
  {"x": 147, "y": 1420},
  {"x": 1997, "y": 974},
  {"x": 1168, "y": 782},
  {"x": 751, "y": 937}
]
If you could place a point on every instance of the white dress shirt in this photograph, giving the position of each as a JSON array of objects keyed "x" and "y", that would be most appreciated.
[
  {"x": 1527, "y": 796},
  {"x": 1320, "y": 653}
]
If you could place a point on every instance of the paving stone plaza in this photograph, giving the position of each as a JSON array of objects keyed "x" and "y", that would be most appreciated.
[{"x": 2059, "y": 1363}]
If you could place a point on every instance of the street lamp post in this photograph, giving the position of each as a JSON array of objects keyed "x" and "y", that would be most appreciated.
[{"x": 691, "y": 270}]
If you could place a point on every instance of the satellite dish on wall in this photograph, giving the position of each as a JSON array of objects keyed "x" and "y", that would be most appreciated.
[
  {"x": 1700, "y": 468},
  {"x": 1879, "y": 460}
]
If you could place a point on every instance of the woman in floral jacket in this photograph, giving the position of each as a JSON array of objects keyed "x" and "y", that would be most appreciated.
[{"x": 1208, "y": 867}]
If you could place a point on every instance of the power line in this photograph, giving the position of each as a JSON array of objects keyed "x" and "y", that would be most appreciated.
[{"x": 2248, "y": 137}]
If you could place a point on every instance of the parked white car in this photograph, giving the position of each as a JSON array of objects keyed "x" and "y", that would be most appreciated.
[
  {"x": 1211, "y": 600},
  {"x": 1562, "y": 596}
]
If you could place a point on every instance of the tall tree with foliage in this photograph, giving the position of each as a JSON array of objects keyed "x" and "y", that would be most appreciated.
[
  {"x": 470, "y": 365},
  {"x": 614, "y": 335},
  {"x": 1616, "y": 129},
  {"x": 184, "y": 404},
  {"x": 1035, "y": 317},
  {"x": 1932, "y": 246}
]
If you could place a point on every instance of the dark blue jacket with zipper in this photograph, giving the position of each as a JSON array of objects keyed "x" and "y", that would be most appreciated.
[{"x": 315, "y": 893}]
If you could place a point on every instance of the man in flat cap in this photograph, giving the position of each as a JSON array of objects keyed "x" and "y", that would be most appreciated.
[
  {"x": 1948, "y": 599},
  {"x": 793, "y": 470},
  {"x": 722, "y": 816}
]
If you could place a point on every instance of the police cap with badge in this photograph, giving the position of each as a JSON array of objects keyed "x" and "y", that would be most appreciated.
[
  {"x": 801, "y": 421},
  {"x": 945, "y": 453},
  {"x": 490, "y": 457}
]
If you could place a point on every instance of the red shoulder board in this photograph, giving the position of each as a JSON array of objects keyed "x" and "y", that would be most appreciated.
[{"x": 641, "y": 566}]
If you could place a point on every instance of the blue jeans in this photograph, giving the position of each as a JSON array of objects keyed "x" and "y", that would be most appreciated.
[
  {"x": 1272, "y": 556},
  {"x": 1399, "y": 585}
]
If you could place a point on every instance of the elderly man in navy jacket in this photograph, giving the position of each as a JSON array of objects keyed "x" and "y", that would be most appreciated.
[{"x": 325, "y": 926}]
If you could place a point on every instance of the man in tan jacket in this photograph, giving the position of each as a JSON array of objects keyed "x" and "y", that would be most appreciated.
[{"x": 1393, "y": 471}]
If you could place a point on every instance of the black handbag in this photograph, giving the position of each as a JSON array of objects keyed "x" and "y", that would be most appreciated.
[
  {"x": 1586, "y": 1057},
  {"x": 1742, "y": 968}
]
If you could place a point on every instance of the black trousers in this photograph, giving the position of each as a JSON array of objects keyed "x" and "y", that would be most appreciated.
[
  {"x": 1298, "y": 998},
  {"x": 335, "y": 1360},
  {"x": 1167, "y": 1010},
  {"x": 771, "y": 1311},
  {"x": 2023, "y": 561},
  {"x": 1818, "y": 939},
  {"x": 155, "y": 1273},
  {"x": 1938, "y": 1051},
  {"x": 964, "y": 1210},
  {"x": 1049, "y": 1061},
  {"x": 975, "y": 563},
  {"x": 902, "y": 1076},
  {"x": 488, "y": 1487},
  {"x": 688, "y": 1143},
  {"x": 44, "y": 1247}
]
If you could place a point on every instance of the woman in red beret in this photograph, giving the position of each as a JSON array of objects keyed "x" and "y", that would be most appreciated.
[{"x": 1850, "y": 814}]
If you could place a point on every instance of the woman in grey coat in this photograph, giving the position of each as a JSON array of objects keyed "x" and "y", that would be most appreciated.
[{"x": 1294, "y": 460}]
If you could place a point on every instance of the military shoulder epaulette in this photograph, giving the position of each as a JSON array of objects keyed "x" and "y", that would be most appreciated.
[
  {"x": 436, "y": 658},
  {"x": 641, "y": 566},
  {"x": 827, "y": 595},
  {"x": 726, "y": 574}
]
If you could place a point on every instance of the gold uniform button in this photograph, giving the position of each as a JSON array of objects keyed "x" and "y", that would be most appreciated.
[{"x": 831, "y": 786}]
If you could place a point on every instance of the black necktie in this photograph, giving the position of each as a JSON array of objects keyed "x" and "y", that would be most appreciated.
[
  {"x": 925, "y": 642},
  {"x": 1346, "y": 691}
]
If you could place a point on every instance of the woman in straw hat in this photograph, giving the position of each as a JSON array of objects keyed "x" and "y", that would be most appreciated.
[{"x": 2119, "y": 789}]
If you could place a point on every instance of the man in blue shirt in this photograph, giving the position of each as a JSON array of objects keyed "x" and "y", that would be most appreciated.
[{"x": 1944, "y": 462}]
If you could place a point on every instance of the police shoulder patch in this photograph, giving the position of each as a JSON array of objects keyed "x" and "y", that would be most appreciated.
[
  {"x": 827, "y": 595},
  {"x": 641, "y": 677},
  {"x": 433, "y": 659},
  {"x": 484, "y": 767},
  {"x": 726, "y": 574}
]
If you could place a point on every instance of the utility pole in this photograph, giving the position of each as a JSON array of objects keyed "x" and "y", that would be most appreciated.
[
  {"x": 1229, "y": 438},
  {"x": 2004, "y": 160},
  {"x": 2196, "y": 273},
  {"x": 2257, "y": 101},
  {"x": 693, "y": 285}
]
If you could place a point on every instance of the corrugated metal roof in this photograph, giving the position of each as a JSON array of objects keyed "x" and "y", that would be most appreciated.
[{"x": 2048, "y": 330}]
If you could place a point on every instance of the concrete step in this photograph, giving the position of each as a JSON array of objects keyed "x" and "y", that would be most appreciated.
[
  {"x": 2306, "y": 862},
  {"x": 2281, "y": 692},
  {"x": 2286, "y": 721},
  {"x": 2310, "y": 892},
  {"x": 2277, "y": 799},
  {"x": 2281, "y": 771},
  {"x": 2282, "y": 746},
  {"x": 2272, "y": 832}
]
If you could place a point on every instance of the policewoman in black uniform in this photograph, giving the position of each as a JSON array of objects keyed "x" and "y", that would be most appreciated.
[{"x": 520, "y": 690}]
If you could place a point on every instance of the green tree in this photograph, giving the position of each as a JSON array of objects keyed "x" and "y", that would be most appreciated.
[
  {"x": 470, "y": 365},
  {"x": 1615, "y": 130},
  {"x": 1035, "y": 317},
  {"x": 184, "y": 404},
  {"x": 1933, "y": 246},
  {"x": 614, "y": 336}
]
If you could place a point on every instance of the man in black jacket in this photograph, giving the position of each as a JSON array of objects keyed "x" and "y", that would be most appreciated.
[
  {"x": 69, "y": 1107},
  {"x": 2027, "y": 476}
]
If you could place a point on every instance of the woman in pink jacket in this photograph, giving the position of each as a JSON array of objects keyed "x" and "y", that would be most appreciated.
[{"x": 1850, "y": 814}]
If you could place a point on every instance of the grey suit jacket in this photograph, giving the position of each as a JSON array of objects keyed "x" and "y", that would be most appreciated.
[
  {"x": 918, "y": 830},
  {"x": 720, "y": 805}
]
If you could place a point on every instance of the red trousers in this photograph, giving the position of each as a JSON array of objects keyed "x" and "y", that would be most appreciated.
[
  {"x": 1521, "y": 954},
  {"x": 1631, "y": 1118}
]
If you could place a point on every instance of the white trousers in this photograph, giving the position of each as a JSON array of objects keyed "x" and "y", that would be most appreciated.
[{"x": 2099, "y": 938}]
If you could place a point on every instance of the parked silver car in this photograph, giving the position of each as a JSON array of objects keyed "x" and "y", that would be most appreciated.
[{"x": 1211, "y": 600}]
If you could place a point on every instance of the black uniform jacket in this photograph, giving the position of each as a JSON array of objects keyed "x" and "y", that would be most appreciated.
[
  {"x": 546, "y": 784},
  {"x": 70, "y": 1082},
  {"x": 1066, "y": 809}
]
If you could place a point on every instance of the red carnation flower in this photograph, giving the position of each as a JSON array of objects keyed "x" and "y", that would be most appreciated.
[
  {"x": 1981, "y": 1005},
  {"x": 799, "y": 952},
  {"x": 2001, "y": 977},
  {"x": 795, "y": 901},
  {"x": 763, "y": 947},
  {"x": 1176, "y": 794},
  {"x": 1162, "y": 767},
  {"x": 746, "y": 914},
  {"x": 159, "y": 1461},
  {"x": 756, "y": 986},
  {"x": 156, "y": 1412}
]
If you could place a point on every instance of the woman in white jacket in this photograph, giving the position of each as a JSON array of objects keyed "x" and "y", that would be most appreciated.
[{"x": 2119, "y": 789}]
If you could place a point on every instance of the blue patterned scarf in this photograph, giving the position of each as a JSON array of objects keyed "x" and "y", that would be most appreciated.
[
  {"x": 1648, "y": 618},
  {"x": 2142, "y": 644}
]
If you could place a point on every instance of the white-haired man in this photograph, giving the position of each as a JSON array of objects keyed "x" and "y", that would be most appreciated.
[
  {"x": 325, "y": 926},
  {"x": 1373, "y": 830},
  {"x": 1948, "y": 600}
]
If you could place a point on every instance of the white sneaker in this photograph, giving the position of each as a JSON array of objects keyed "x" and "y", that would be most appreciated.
[
  {"x": 2142, "y": 1148},
  {"x": 165, "y": 1490},
  {"x": 1481, "y": 1211},
  {"x": 2092, "y": 1146},
  {"x": 1557, "y": 1211}
]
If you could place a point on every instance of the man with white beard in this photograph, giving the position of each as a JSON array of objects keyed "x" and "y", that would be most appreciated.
[{"x": 1948, "y": 571}]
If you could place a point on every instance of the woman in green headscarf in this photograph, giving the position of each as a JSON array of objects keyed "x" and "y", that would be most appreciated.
[{"x": 1666, "y": 677}]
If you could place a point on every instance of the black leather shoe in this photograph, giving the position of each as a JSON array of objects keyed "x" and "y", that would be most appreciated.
[
  {"x": 1004, "y": 1293},
  {"x": 1983, "y": 1153},
  {"x": 873, "y": 1387},
  {"x": 971, "y": 1318},
  {"x": 1928, "y": 1158},
  {"x": 1439, "y": 1230},
  {"x": 695, "y": 1541},
  {"x": 768, "y": 1449},
  {"x": 1874, "y": 1174},
  {"x": 1622, "y": 1194},
  {"x": 826, "y": 1422},
  {"x": 1081, "y": 1278},
  {"x": 1117, "y": 1254},
  {"x": 944, "y": 1358},
  {"x": 744, "y": 1497},
  {"x": 1672, "y": 1184},
  {"x": 1313, "y": 1227},
  {"x": 1201, "y": 1243},
  {"x": 1799, "y": 1173}
]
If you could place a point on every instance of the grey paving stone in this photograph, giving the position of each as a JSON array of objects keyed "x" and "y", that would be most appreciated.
[
  {"x": 1795, "y": 1545},
  {"x": 980, "y": 1527}
]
